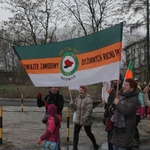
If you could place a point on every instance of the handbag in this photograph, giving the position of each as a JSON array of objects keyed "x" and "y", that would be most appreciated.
[{"x": 74, "y": 116}]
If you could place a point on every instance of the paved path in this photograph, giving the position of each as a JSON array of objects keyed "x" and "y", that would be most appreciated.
[{"x": 22, "y": 129}]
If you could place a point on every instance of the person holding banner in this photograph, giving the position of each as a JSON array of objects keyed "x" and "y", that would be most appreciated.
[
  {"x": 109, "y": 109},
  {"x": 124, "y": 117},
  {"x": 52, "y": 98},
  {"x": 83, "y": 106}
]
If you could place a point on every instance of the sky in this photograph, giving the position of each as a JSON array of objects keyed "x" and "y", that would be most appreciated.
[{"x": 4, "y": 14}]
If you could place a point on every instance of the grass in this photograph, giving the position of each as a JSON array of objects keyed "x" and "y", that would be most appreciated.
[
  {"x": 15, "y": 91},
  {"x": 29, "y": 91}
]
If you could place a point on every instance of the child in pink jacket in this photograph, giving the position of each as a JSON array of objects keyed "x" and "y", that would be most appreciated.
[{"x": 51, "y": 135}]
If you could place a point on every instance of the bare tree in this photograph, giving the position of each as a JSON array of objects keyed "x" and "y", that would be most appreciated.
[
  {"x": 91, "y": 16},
  {"x": 136, "y": 10},
  {"x": 34, "y": 22},
  {"x": 137, "y": 49},
  {"x": 8, "y": 56}
]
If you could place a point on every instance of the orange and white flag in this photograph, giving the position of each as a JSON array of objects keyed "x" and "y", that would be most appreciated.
[{"x": 82, "y": 61}]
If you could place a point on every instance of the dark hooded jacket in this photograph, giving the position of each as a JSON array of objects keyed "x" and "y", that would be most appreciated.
[
  {"x": 55, "y": 99},
  {"x": 109, "y": 105}
]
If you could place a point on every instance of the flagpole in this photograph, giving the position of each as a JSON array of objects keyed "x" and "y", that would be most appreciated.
[
  {"x": 68, "y": 115},
  {"x": 70, "y": 95},
  {"x": 117, "y": 91}
]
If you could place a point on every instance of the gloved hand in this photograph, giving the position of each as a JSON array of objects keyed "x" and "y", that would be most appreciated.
[
  {"x": 39, "y": 141},
  {"x": 46, "y": 105},
  {"x": 71, "y": 102},
  {"x": 39, "y": 95}
]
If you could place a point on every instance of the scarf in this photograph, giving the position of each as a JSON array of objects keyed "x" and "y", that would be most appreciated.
[
  {"x": 118, "y": 118},
  {"x": 82, "y": 96}
]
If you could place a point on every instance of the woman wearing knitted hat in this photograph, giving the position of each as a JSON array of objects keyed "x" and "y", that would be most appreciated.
[
  {"x": 83, "y": 106},
  {"x": 51, "y": 135}
]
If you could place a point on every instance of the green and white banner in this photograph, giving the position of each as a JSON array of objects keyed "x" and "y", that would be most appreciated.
[{"x": 82, "y": 61}]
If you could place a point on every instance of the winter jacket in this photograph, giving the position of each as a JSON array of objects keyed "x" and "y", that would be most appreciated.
[
  {"x": 109, "y": 107},
  {"x": 52, "y": 127},
  {"x": 84, "y": 108},
  {"x": 123, "y": 137},
  {"x": 52, "y": 130},
  {"x": 56, "y": 99}
]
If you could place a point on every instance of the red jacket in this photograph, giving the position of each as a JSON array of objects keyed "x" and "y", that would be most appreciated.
[{"x": 52, "y": 130}]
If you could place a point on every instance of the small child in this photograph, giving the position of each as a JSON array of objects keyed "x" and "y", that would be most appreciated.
[{"x": 51, "y": 135}]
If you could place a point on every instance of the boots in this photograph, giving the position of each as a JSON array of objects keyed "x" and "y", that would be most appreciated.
[
  {"x": 75, "y": 148},
  {"x": 96, "y": 147},
  {"x": 136, "y": 143}
]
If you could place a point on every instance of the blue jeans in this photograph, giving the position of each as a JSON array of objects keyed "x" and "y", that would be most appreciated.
[
  {"x": 50, "y": 145},
  {"x": 118, "y": 148}
]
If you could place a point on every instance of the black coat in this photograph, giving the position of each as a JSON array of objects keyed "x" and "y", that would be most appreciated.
[
  {"x": 55, "y": 99},
  {"x": 109, "y": 104}
]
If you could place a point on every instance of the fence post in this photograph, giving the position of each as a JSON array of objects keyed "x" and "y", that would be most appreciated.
[
  {"x": 22, "y": 102},
  {"x": 1, "y": 125},
  {"x": 68, "y": 115}
]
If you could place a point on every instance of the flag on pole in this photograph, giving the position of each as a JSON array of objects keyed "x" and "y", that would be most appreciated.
[
  {"x": 129, "y": 72},
  {"x": 82, "y": 61}
]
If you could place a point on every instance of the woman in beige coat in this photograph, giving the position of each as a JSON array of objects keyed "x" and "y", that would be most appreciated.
[{"x": 83, "y": 106}]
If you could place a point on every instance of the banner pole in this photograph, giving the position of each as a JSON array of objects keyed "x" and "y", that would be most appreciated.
[
  {"x": 1, "y": 125},
  {"x": 22, "y": 102},
  {"x": 117, "y": 91},
  {"x": 68, "y": 116}
]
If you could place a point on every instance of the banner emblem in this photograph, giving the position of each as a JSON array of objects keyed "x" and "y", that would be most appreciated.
[{"x": 69, "y": 64}]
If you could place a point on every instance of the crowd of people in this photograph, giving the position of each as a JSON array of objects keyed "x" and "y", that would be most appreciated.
[
  {"x": 124, "y": 112},
  {"x": 127, "y": 104}
]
